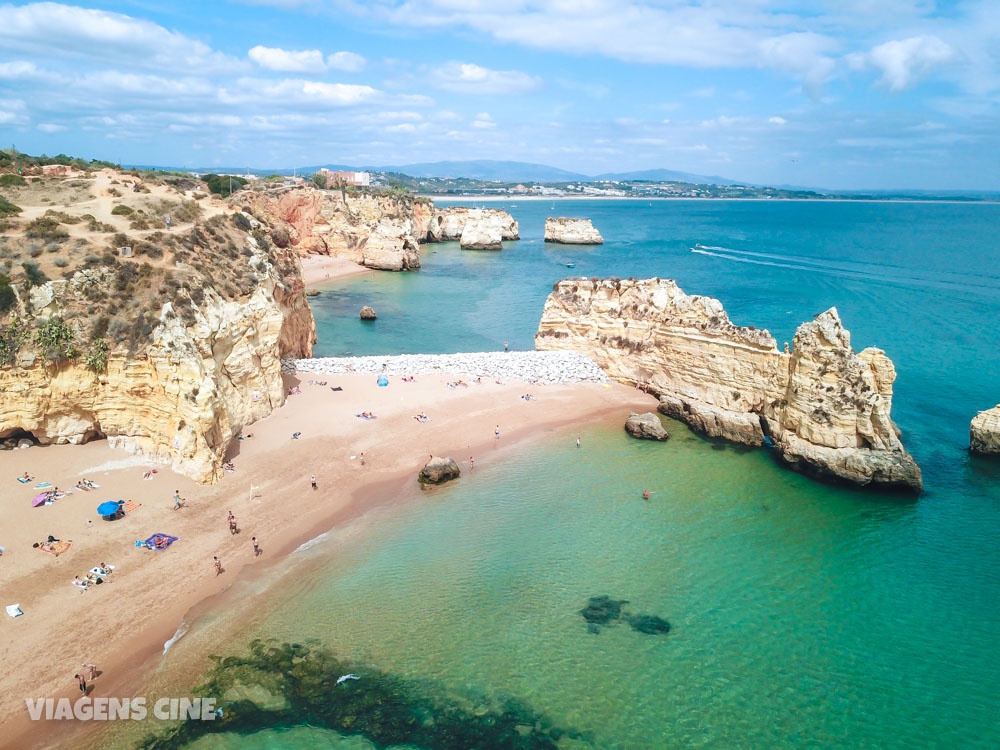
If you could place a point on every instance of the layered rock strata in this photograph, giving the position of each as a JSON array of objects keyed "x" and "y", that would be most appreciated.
[
  {"x": 825, "y": 408},
  {"x": 984, "y": 432},
  {"x": 568, "y": 231},
  {"x": 448, "y": 224},
  {"x": 376, "y": 230},
  {"x": 188, "y": 390}
]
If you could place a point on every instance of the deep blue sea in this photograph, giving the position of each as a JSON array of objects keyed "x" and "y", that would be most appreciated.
[{"x": 803, "y": 615}]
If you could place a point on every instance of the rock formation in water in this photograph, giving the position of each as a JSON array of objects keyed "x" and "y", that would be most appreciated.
[
  {"x": 825, "y": 407},
  {"x": 571, "y": 231},
  {"x": 168, "y": 352},
  {"x": 645, "y": 426},
  {"x": 438, "y": 470},
  {"x": 984, "y": 432},
  {"x": 377, "y": 230},
  {"x": 448, "y": 224},
  {"x": 481, "y": 235},
  {"x": 368, "y": 313}
]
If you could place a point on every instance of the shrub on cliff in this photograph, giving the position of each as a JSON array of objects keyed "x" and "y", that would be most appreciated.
[
  {"x": 45, "y": 228},
  {"x": 12, "y": 337},
  {"x": 56, "y": 340},
  {"x": 223, "y": 185},
  {"x": 34, "y": 275},
  {"x": 7, "y": 208},
  {"x": 8, "y": 299},
  {"x": 97, "y": 356},
  {"x": 122, "y": 210},
  {"x": 12, "y": 179}
]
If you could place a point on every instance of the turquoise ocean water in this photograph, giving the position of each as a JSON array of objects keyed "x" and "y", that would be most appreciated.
[{"x": 803, "y": 615}]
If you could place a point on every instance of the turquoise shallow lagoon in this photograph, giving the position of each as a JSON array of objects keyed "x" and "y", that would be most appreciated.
[{"x": 802, "y": 615}]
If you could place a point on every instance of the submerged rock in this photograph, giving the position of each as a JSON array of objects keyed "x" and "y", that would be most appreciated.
[
  {"x": 367, "y": 313},
  {"x": 984, "y": 432},
  {"x": 601, "y": 610},
  {"x": 645, "y": 426},
  {"x": 439, "y": 470},
  {"x": 648, "y": 624}
]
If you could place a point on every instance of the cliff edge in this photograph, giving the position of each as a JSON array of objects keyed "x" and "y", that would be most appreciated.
[
  {"x": 825, "y": 408},
  {"x": 167, "y": 343}
]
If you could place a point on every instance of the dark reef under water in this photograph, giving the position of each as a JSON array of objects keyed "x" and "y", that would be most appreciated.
[
  {"x": 384, "y": 709},
  {"x": 603, "y": 610}
]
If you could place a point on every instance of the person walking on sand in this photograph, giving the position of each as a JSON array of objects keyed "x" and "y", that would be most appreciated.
[
  {"x": 313, "y": 481},
  {"x": 232, "y": 523},
  {"x": 168, "y": 222},
  {"x": 82, "y": 681},
  {"x": 362, "y": 459},
  {"x": 256, "y": 546},
  {"x": 177, "y": 499},
  {"x": 218, "y": 566},
  {"x": 496, "y": 432},
  {"x": 91, "y": 670}
]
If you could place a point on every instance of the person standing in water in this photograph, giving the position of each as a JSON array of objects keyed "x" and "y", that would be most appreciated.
[
  {"x": 506, "y": 346},
  {"x": 578, "y": 442},
  {"x": 472, "y": 463}
]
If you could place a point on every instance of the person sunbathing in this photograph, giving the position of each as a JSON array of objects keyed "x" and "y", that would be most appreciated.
[
  {"x": 295, "y": 435},
  {"x": 27, "y": 477},
  {"x": 79, "y": 582}
]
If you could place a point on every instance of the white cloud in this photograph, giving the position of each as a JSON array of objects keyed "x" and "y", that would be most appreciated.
[
  {"x": 469, "y": 78},
  {"x": 288, "y": 61},
  {"x": 483, "y": 121},
  {"x": 777, "y": 120},
  {"x": 905, "y": 60},
  {"x": 349, "y": 62},
  {"x": 291, "y": 91},
  {"x": 51, "y": 127},
  {"x": 56, "y": 30}
]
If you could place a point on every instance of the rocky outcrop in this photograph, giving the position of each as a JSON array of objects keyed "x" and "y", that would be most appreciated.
[
  {"x": 368, "y": 313},
  {"x": 571, "y": 231},
  {"x": 439, "y": 470},
  {"x": 448, "y": 224},
  {"x": 645, "y": 426},
  {"x": 825, "y": 408},
  {"x": 481, "y": 235},
  {"x": 376, "y": 230},
  {"x": 984, "y": 432},
  {"x": 184, "y": 392}
]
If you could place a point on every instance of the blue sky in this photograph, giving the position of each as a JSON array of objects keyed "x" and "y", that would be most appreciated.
[{"x": 840, "y": 94}]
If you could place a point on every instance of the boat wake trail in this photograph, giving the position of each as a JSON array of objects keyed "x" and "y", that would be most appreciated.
[{"x": 877, "y": 272}]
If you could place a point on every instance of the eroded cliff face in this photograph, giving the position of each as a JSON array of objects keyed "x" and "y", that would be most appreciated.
[
  {"x": 377, "y": 231},
  {"x": 984, "y": 432},
  {"x": 825, "y": 407},
  {"x": 187, "y": 390},
  {"x": 448, "y": 224}
]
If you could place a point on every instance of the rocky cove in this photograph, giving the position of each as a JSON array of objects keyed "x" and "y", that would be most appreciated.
[{"x": 825, "y": 408}]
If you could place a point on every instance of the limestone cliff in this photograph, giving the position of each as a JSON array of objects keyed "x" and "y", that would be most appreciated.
[
  {"x": 825, "y": 407},
  {"x": 447, "y": 224},
  {"x": 481, "y": 235},
  {"x": 179, "y": 385},
  {"x": 571, "y": 231},
  {"x": 984, "y": 432},
  {"x": 374, "y": 229}
]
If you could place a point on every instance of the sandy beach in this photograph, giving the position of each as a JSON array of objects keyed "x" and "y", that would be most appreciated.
[
  {"x": 122, "y": 624},
  {"x": 319, "y": 269}
]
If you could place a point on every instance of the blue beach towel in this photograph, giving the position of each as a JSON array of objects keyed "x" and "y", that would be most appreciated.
[{"x": 44, "y": 484}]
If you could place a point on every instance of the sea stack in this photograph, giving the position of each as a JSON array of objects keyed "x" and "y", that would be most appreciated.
[
  {"x": 481, "y": 234},
  {"x": 984, "y": 432},
  {"x": 571, "y": 231},
  {"x": 447, "y": 224},
  {"x": 825, "y": 408}
]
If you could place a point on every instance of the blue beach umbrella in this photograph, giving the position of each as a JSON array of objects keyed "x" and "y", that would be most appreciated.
[{"x": 108, "y": 508}]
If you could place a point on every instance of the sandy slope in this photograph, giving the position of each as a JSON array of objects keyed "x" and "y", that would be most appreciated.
[{"x": 123, "y": 623}]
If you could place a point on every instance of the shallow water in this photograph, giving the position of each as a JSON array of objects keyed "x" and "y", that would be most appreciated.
[{"x": 802, "y": 614}]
